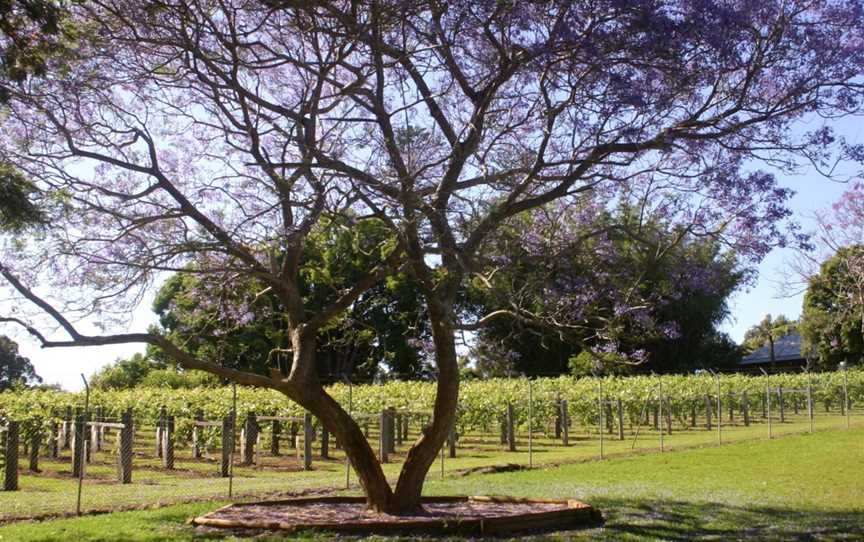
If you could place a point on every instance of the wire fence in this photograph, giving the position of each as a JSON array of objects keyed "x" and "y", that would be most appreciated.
[{"x": 92, "y": 458}]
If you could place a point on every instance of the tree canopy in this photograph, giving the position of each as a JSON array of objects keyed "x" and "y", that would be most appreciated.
[
  {"x": 832, "y": 320},
  {"x": 767, "y": 332},
  {"x": 210, "y": 138},
  {"x": 645, "y": 289},
  {"x": 15, "y": 369},
  {"x": 239, "y": 324}
]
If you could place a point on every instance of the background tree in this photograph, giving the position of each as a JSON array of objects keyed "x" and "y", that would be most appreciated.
[
  {"x": 767, "y": 332},
  {"x": 653, "y": 290},
  {"x": 32, "y": 33},
  {"x": 15, "y": 369},
  {"x": 124, "y": 373},
  {"x": 836, "y": 227},
  {"x": 832, "y": 320},
  {"x": 218, "y": 135}
]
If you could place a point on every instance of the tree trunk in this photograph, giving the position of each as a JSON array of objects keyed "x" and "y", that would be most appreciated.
[
  {"x": 303, "y": 388},
  {"x": 771, "y": 352},
  {"x": 425, "y": 450}
]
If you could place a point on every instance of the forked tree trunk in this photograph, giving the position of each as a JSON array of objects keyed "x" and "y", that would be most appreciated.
[
  {"x": 305, "y": 390},
  {"x": 423, "y": 453}
]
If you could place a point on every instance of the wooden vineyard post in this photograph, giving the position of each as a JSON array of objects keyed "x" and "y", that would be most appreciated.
[
  {"x": 391, "y": 430},
  {"x": 451, "y": 440},
  {"x": 227, "y": 445},
  {"x": 78, "y": 447},
  {"x": 708, "y": 412},
  {"x": 399, "y": 421},
  {"x": 781, "y": 404},
  {"x": 88, "y": 430},
  {"x": 609, "y": 418},
  {"x": 325, "y": 442},
  {"x": 620, "y": 410},
  {"x": 692, "y": 415},
  {"x": 53, "y": 440},
  {"x": 93, "y": 438},
  {"x": 248, "y": 439},
  {"x": 565, "y": 422},
  {"x": 511, "y": 428},
  {"x": 160, "y": 430},
  {"x": 168, "y": 443},
  {"x": 668, "y": 417},
  {"x": 196, "y": 435},
  {"x": 275, "y": 431},
  {"x": 35, "y": 446},
  {"x": 67, "y": 428},
  {"x": 745, "y": 409},
  {"x": 768, "y": 406},
  {"x": 99, "y": 432},
  {"x": 558, "y": 411},
  {"x": 719, "y": 413},
  {"x": 308, "y": 437},
  {"x": 383, "y": 448},
  {"x": 10, "y": 454},
  {"x": 124, "y": 456},
  {"x": 660, "y": 411}
]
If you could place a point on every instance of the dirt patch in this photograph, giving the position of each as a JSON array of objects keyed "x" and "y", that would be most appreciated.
[{"x": 439, "y": 515}]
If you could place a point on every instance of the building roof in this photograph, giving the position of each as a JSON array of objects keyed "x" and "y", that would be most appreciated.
[{"x": 786, "y": 348}]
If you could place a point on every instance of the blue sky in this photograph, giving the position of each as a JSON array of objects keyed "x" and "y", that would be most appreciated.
[{"x": 747, "y": 307}]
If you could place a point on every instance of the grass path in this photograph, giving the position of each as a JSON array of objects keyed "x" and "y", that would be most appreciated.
[{"x": 808, "y": 487}]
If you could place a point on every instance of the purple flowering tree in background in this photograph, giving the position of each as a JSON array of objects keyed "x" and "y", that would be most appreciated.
[
  {"x": 220, "y": 133},
  {"x": 841, "y": 225},
  {"x": 626, "y": 284}
]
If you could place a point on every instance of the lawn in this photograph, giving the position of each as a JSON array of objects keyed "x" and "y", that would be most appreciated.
[
  {"x": 54, "y": 491},
  {"x": 806, "y": 487}
]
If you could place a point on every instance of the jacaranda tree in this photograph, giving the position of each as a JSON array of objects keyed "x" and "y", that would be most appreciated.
[{"x": 219, "y": 133}]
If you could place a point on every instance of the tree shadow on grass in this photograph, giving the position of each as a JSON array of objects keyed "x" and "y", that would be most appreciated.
[{"x": 677, "y": 521}]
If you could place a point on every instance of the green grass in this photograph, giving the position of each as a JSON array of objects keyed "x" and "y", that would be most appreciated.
[
  {"x": 54, "y": 491},
  {"x": 807, "y": 487}
]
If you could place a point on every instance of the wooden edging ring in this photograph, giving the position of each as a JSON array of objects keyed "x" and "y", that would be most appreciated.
[{"x": 572, "y": 514}]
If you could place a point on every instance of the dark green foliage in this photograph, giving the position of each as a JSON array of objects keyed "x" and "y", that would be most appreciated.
[
  {"x": 31, "y": 34},
  {"x": 17, "y": 206},
  {"x": 832, "y": 320},
  {"x": 241, "y": 324},
  {"x": 15, "y": 369}
]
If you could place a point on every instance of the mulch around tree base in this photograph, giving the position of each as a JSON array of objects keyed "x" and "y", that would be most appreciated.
[{"x": 440, "y": 515}]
